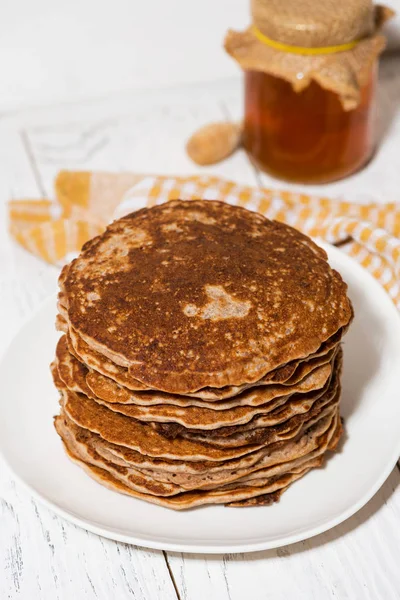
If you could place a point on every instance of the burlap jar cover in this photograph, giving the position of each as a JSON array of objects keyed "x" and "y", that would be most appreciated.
[{"x": 333, "y": 42}]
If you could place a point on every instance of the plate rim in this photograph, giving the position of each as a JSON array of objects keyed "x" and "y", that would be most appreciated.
[{"x": 232, "y": 547}]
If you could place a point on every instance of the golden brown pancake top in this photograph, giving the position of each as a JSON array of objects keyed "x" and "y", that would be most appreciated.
[{"x": 200, "y": 293}]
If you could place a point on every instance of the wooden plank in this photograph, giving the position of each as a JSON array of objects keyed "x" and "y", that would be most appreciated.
[{"x": 43, "y": 556}]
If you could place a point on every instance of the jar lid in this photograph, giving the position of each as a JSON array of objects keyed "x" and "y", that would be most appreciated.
[
  {"x": 313, "y": 24},
  {"x": 341, "y": 37}
]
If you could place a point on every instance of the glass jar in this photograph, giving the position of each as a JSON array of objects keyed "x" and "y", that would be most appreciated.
[
  {"x": 310, "y": 85},
  {"x": 306, "y": 136}
]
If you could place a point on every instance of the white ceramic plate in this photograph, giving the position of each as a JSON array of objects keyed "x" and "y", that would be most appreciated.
[{"x": 319, "y": 501}]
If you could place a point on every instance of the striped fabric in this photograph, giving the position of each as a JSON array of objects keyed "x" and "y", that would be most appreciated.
[{"x": 86, "y": 202}]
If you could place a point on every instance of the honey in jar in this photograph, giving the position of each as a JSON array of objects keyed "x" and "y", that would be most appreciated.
[
  {"x": 310, "y": 86},
  {"x": 306, "y": 136}
]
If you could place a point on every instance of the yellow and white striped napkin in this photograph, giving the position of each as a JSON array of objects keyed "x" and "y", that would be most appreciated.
[{"x": 85, "y": 202}]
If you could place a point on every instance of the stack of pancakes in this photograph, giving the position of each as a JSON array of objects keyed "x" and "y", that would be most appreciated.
[{"x": 200, "y": 361}]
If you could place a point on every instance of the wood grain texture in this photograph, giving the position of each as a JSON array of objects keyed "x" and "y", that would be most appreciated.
[
  {"x": 45, "y": 557},
  {"x": 355, "y": 560}
]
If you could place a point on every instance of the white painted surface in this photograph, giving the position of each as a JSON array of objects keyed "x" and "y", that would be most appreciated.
[
  {"x": 43, "y": 557},
  {"x": 65, "y": 51}
]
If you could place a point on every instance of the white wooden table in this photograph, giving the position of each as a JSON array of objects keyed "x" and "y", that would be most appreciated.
[{"x": 43, "y": 556}]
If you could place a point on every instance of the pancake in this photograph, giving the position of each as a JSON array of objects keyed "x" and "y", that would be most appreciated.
[
  {"x": 315, "y": 440},
  {"x": 258, "y": 435},
  {"x": 200, "y": 360},
  {"x": 106, "y": 389},
  {"x": 123, "y": 431},
  {"x": 187, "y": 295},
  {"x": 179, "y": 501},
  {"x": 239, "y": 410},
  {"x": 96, "y": 361},
  {"x": 260, "y": 427},
  {"x": 148, "y": 483},
  {"x": 133, "y": 478},
  {"x": 206, "y": 419},
  {"x": 293, "y": 411},
  {"x": 265, "y": 435},
  {"x": 262, "y": 500},
  {"x": 99, "y": 364},
  {"x": 188, "y": 471}
]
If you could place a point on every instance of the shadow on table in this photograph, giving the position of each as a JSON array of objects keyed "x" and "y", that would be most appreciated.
[
  {"x": 361, "y": 352},
  {"x": 342, "y": 530},
  {"x": 388, "y": 90}
]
